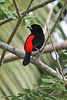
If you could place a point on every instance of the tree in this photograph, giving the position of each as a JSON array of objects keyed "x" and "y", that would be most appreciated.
[{"x": 14, "y": 73}]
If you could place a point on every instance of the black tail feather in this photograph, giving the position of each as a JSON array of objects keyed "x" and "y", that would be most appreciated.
[{"x": 26, "y": 60}]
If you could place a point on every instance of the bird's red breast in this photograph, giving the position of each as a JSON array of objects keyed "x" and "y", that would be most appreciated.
[{"x": 28, "y": 44}]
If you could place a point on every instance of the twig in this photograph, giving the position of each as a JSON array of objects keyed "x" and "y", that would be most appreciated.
[
  {"x": 57, "y": 57},
  {"x": 14, "y": 31},
  {"x": 53, "y": 28},
  {"x": 53, "y": 92},
  {"x": 27, "y": 9},
  {"x": 49, "y": 16},
  {"x": 39, "y": 5},
  {"x": 17, "y": 8},
  {"x": 48, "y": 19}
]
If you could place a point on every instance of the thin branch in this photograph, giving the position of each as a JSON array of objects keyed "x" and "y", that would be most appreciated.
[
  {"x": 14, "y": 31},
  {"x": 20, "y": 54},
  {"x": 31, "y": 9},
  {"x": 49, "y": 48},
  {"x": 17, "y": 8},
  {"x": 52, "y": 93},
  {"x": 27, "y": 9},
  {"x": 57, "y": 58},
  {"x": 49, "y": 17},
  {"x": 53, "y": 28}
]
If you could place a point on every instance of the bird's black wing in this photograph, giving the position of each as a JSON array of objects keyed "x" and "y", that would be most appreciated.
[{"x": 37, "y": 42}]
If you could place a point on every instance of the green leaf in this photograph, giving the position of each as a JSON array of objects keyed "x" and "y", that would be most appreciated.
[
  {"x": 36, "y": 85},
  {"x": 65, "y": 53},
  {"x": 21, "y": 94},
  {"x": 14, "y": 17},
  {"x": 52, "y": 96},
  {"x": 2, "y": 6},
  {"x": 65, "y": 60},
  {"x": 48, "y": 80},
  {"x": 58, "y": 73},
  {"x": 35, "y": 95},
  {"x": 25, "y": 97},
  {"x": 26, "y": 90},
  {"x": 42, "y": 91},
  {"x": 32, "y": 22},
  {"x": 30, "y": 96},
  {"x": 36, "y": 91},
  {"x": 63, "y": 88},
  {"x": 6, "y": 11},
  {"x": 29, "y": 17},
  {"x": 23, "y": 22},
  {"x": 58, "y": 87},
  {"x": 65, "y": 65},
  {"x": 8, "y": 2}
]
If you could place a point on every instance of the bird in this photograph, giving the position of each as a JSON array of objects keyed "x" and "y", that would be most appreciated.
[{"x": 33, "y": 42}]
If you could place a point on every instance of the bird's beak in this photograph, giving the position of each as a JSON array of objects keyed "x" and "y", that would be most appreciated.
[{"x": 29, "y": 27}]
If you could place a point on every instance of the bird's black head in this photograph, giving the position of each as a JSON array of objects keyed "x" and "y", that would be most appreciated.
[{"x": 35, "y": 28}]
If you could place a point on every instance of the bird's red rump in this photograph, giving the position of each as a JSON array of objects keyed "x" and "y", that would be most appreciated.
[{"x": 29, "y": 45}]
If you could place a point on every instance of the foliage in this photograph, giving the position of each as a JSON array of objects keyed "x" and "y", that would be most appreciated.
[
  {"x": 65, "y": 53},
  {"x": 44, "y": 91},
  {"x": 4, "y": 11}
]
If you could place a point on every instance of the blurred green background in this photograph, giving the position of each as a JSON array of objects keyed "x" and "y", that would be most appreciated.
[{"x": 14, "y": 76}]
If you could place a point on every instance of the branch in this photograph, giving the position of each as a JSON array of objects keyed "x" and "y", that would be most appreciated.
[
  {"x": 17, "y": 8},
  {"x": 20, "y": 54},
  {"x": 57, "y": 58},
  {"x": 53, "y": 28},
  {"x": 49, "y": 16},
  {"x": 31, "y": 9},
  {"x": 14, "y": 31},
  {"x": 48, "y": 48},
  {"x": 10, "y": 57}
]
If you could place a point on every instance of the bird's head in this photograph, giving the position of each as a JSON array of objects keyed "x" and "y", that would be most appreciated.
[{"x": 35, "y": 28}]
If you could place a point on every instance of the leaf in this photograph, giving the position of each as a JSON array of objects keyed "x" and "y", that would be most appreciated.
[
  {"x": 14, "y": 17},
  {"x": 58, "y": 73},
  {"x": 23, "y": 23},
  {"x": 65, "y": 53},
  {"x": 36, "y": 91},
  {"x": 26, "y": 90},
  {"x": 58, "y": 86},
  {"x": 32, "y": 22},
  {"x": 21, "y": 94},
  {"x": 63, "y": 88},
  {"x": 1, "y": 7},
  {"x": 30, "y": 96},
  {"x": 6, "y": 11},
  {"x": 41, "y": 91},
  {"x": 35, "y": 95},
  {"x": 52, "y": 96},
  {"x": 65, "y": 65},
  {"x": 36, "y": 85},
  {"x": 65, "y": 60},
  {"x": 48, "y": 80},
  {"x": 29, "y": 17},
  {"x": 8, "y": 2},
  {"x": 25, "y": 98}
]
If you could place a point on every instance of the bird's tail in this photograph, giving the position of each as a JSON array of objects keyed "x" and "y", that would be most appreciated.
[{"x": 26, "y": 60}]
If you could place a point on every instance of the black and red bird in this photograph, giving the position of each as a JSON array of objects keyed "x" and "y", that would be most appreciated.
[{"x": 33, "y": 42}]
